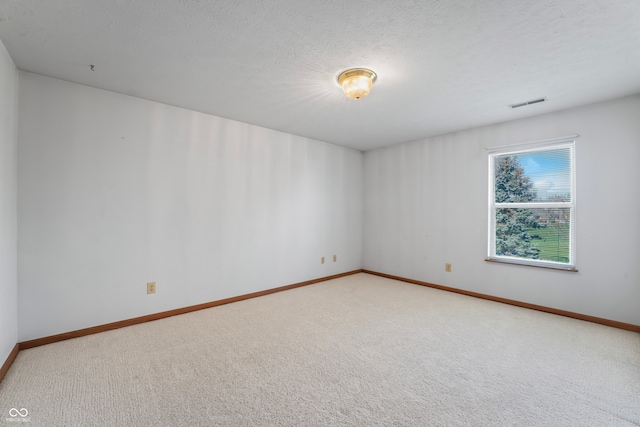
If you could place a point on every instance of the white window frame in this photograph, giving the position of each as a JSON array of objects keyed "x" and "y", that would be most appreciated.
[{"x": 565, "y": 142}]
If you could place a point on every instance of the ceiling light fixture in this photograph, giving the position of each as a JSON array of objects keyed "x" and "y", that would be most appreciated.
[{"x": 357, "y": 82}]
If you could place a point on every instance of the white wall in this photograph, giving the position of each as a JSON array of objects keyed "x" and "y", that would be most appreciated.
[
  {"x": 8, "y": 204},
  {"x": 117, "y": 191},
  {"x": 426, "y": 204}
]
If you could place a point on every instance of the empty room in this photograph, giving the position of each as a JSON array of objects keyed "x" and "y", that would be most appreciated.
[{"x": 319, "y": 213}]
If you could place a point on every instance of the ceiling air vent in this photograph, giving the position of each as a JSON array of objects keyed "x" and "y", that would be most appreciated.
[{"x": 522, "y": 104}]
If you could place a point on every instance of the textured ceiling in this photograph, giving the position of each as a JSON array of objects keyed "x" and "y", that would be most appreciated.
[{"x": 442, "y": 65}]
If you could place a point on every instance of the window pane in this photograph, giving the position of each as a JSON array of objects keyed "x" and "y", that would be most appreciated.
[
  {"x": 534, "y": 176},
  {"x": 542, "y": 234}
]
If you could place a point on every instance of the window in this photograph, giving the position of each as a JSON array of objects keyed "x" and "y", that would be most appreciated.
[{"x": 532, "y": 205}]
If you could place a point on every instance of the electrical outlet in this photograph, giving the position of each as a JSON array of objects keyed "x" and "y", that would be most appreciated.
[
  {"x": 447, "y": 268},
  {"x": 322, "y": 260},
  {"x": 335, "y": 258},
  {"x": 151, "y": 287}
]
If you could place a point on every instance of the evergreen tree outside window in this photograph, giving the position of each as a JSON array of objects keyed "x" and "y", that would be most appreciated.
[{"x": 532, "y": 206}]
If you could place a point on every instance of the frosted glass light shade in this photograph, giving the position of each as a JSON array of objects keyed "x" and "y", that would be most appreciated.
[{"x": 357, "y": 82}]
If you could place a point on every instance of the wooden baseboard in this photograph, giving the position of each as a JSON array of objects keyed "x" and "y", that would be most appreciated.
[
  {"x": 7, "y": 364},
  {"x": 143, "y": 319},
  {"x": 135, "y": 321},
  {"x": 606, "y": 322}
]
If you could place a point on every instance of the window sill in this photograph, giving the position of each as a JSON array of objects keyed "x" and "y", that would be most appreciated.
[{"x": 526, "y": 264}]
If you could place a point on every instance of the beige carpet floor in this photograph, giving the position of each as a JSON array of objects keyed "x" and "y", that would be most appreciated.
[{"x": 356, "y": 351}]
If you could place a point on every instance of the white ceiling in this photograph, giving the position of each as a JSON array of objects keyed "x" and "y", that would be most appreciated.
[{"x": 443, "y": 65}]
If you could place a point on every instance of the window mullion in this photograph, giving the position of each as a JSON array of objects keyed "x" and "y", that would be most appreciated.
[{"x": 536, "y": 205}]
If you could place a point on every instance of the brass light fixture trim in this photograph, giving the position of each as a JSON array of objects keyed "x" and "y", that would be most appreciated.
[{"x": 357, "y": 82}]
